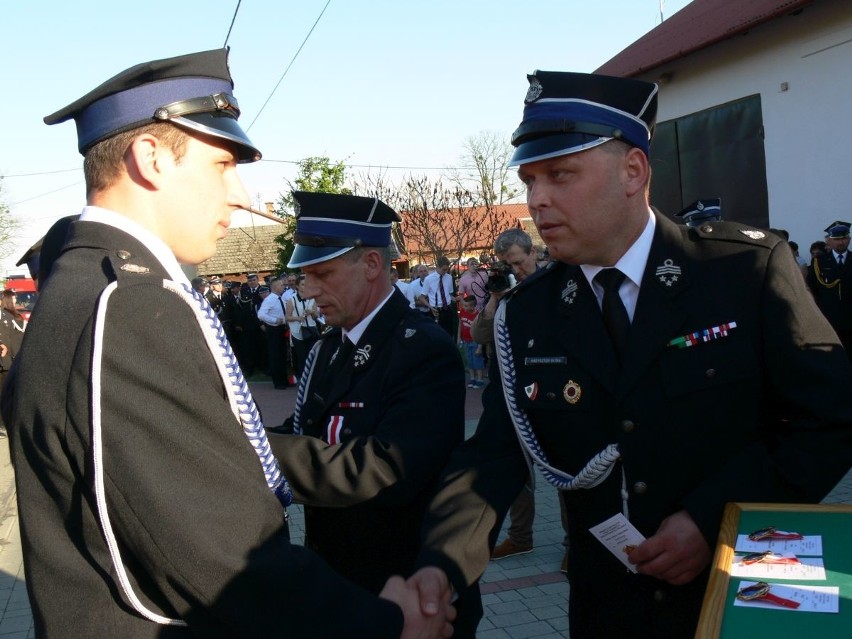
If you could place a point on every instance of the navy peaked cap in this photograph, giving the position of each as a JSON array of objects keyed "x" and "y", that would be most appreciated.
[
  {"x": 193, "y": 91},
  {"x": 705, "y": 210},
  {"x": 837, "y": 230},
  {"x": 569, "y": 112},
  {"x": 331, "y": 224}
]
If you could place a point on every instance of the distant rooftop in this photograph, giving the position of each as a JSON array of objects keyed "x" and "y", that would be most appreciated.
[{"x": 697, "y": 26}]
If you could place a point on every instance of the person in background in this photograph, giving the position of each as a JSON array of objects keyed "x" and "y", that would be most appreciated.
[
  {"x": 272, "y": 317},
  {"x": 829, "y": 279},
  {"x": 302, "y": 316},
  {"x": 12, "y": 325},
  {"x": 440, "y": 291},
  {"x": 474, "y": 282},
  {"x": 472, "y": 350}
]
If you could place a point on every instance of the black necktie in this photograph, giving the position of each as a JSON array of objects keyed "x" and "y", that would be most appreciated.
[
  {"x": 840, "y": 259},
  {"x": 614, "y": 314}
]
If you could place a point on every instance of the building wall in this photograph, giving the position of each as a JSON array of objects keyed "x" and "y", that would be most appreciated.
[{"x": 808, "y": 125}]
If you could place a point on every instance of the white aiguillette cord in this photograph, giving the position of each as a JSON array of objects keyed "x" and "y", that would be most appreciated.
[{"x": 239, "y": 397}]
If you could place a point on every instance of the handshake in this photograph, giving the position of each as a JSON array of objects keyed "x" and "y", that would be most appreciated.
[{"x": 425, "y": 600}]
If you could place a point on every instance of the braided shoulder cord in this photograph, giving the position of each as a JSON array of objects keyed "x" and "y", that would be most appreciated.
[
  {"x": 820, "y": 279},
  {"x": 594, "y": 472},
  {"x": 304, "y": 383},
  {"x": 239, "y": 395}
]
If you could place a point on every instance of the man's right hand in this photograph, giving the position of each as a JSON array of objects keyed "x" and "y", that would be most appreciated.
[{"x": 425, "y": 604}]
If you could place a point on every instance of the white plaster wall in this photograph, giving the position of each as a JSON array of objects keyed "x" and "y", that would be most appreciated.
[{"x": 808, "y": 126}]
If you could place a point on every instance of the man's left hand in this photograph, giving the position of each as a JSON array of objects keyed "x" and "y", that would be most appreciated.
[{"x": 677, "y": 553}]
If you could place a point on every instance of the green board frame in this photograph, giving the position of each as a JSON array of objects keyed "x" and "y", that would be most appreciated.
[{"x": 720, "y": 619}]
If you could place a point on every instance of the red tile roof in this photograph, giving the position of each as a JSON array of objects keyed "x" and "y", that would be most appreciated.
[
  {"x": 475, "y": 227},
  {"x": 698, "y": 25}
]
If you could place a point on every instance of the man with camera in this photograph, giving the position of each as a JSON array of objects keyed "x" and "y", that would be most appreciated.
[{"x": 516, "y": 261}]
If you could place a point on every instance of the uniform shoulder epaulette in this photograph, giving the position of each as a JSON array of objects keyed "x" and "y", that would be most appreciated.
[
  {"x": 735, "y": 232},
  {"x": 531, "y": 280}
]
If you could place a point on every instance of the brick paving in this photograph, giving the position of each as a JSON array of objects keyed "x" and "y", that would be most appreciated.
[{"x": 524, "y": 597}]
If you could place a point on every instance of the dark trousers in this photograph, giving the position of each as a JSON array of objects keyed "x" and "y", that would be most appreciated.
[
  {"x": 277, "y": 346},
  {"x": 447, "y": 318}
]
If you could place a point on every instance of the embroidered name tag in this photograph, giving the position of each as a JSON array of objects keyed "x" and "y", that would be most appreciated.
[
  {"x": 544, "y": 361},
  {"x": 707, "y": 335}
]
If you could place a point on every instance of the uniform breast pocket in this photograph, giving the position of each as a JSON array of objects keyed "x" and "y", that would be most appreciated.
[{"x": 708, "y": 365}]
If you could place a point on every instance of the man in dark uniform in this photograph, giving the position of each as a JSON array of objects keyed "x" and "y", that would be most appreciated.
[
  {"x": 149, "y": 502},
  {"x": 383, "y": 392},
  {"x": 655, "y": 371},
  {"x": 830, "y": 280},
  {"x": 214, "y": 295}
]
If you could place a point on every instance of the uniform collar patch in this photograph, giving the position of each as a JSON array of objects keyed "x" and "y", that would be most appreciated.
[
  {"x": 362, "y": 355},
  {"x": 668, "y": 273},
  {"x": 755, "y": 235},
  {"x": 569, "y": 293}
]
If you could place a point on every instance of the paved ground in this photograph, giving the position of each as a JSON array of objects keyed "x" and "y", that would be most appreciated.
[{"x": 524, "y": 596}]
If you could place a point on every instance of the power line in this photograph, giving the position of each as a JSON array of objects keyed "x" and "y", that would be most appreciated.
[
  {"x": 40, "y": 173},
  {"x": 296, "y": 55},
  {"x": 35, "y": 197},
  {"x": 234, "y": 19}
]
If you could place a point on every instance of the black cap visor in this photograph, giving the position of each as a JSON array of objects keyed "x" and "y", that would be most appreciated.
[
  {"x": 221, "y": 124},
  {"x": 552, "y": 146}
]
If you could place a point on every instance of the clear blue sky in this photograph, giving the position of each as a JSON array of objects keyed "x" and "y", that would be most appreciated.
[{"x": 379, "y": 82}]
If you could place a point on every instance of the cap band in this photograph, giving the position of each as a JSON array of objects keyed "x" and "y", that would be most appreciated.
[
  {"x": 125, "y": 109},
  {"x": 335, "y": 232},
  {"x": 555, "y": 116}
]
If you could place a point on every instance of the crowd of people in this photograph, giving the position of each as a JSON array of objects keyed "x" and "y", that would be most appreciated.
[
  {"x": 271, "y": 327},
  {"x": 652, "y": 371}
]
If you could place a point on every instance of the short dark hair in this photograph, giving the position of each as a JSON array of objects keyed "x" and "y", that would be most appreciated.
[{"x": 442, "y": 261}]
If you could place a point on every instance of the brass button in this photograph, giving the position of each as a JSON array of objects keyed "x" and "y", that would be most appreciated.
[
  {"x": 123, "y": 255},
  {"x": 627, "y": 426},
  {"x": 640, "y": 488},
  {"x": 659, "y": 596},
  {"x": 551, "y": 396},
  {"x": 310, "y": 422},
  {"x": 710, "y": 372},
  {"x": 707, "y": 228}
]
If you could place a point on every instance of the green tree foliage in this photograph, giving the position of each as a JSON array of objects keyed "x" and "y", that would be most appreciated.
[{"x": 316, "y": 174}]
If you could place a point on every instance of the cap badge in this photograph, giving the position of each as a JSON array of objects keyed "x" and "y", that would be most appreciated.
[
  {"x": 572, "y": 392},
  {"x": 668, "y": 273},
  {"x": 569, "y": 293},
  {"x": 362, "y": 355},
  {"x": 534, "y": 92},
  {"x": 134, "y": 268},
  {"x": 755, "y": 235},
  {"x": 409, "y": 332},
  {"x": 531, "y": 390},
  {"x": 700, "y": 205}
]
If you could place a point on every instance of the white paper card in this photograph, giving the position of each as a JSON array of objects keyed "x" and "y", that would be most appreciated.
[
  {"x": 619, "y": 536},
  {"x": 810, "y": 598},
  {"x": 811, "y": 545},
  {"x": 811, "y": 568}
]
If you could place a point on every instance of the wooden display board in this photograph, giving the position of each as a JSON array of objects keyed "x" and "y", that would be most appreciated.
[{"x": 720, "y": 619}]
